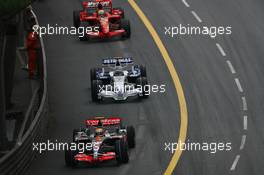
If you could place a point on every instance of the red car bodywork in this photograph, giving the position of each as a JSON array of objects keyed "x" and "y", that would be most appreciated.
[
  {"x": 109, "y": 26},
  {"x": 104, "y": 121},
  {"x": 101, "y": 158}
]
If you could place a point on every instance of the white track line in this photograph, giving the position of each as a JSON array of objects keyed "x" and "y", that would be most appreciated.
[
  {"x": 196, "y": 16},
  {"x": 233, "y": 71},
  {"x": 233, "y": 167},
  {"x": 221, "y": 49},
  {"x": 185, "y": 3},
  {"x": 243, "y": 141},
  {"x": 244, "y": 101},
  {"x": 240, "y": 89},
  {"x": 245, "y": 122}
]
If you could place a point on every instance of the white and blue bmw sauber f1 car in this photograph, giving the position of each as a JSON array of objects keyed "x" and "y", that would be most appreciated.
[{"x": 119, "y": 79}]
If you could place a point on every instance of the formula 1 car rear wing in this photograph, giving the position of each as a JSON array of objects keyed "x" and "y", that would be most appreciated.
[
  {"x": 117, "y": 61},
  {"x": 101, "y": 121},
  {"x": 106, "y": 4}
]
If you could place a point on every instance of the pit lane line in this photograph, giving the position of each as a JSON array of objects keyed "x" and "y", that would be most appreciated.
[
  {"x": 176, "y": 81},
  {"x": 240, "y": 89}
]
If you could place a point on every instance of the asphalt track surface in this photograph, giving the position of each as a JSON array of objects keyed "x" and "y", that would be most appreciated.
[{"x": 215, "y": 106}]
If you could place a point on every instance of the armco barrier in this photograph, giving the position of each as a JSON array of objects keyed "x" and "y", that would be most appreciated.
[{"x": 17, "y": 161}]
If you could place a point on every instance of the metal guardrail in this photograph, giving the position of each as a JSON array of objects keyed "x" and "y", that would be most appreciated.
[
  {"x": 17, "y": 161},
  {"x": 29, "y": 115}
]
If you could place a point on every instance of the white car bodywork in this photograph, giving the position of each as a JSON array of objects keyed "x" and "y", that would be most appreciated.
[{"x": 119, "y": 89}]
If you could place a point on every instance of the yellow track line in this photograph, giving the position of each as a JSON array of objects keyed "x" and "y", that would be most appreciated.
[{"x": 177, "y": 84}]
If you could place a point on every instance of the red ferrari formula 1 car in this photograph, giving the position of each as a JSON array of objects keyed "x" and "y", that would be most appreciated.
[
  {"x": 110, "y": 23},
  {"x": 105, "y": 139}
]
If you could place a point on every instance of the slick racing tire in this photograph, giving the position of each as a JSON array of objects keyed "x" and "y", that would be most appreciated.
[
  {"x": 74, "y": 132},
  {"x": 96, "y": 84},
  {"x": 125, "y": 24},
  {"x": 93, "y": 74},
  {"x": 83, "y": 38},
  {"x": 143, "y": 72},
  {"x": 131, "y": 136},
  {"x": 121, "y": 150},
  {"x": 76, "y": 19},
  {"x": 143, "y": 82},
  {"x": 69, "y": 158},
  {"x": 121, "y": 10}
]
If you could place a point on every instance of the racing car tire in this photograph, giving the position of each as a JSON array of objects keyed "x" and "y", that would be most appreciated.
[
  {"x": 121, "y": 150},
  {"x": 82, "y": 38},
  {"x": 121, "y": 10},
  {"x": 125, "y": 24},
  {"x": 69, "y": 158},
  {"x": 74, "y": 132},
  {"x": 143, "y": 71},
  {"x": 93, "y": 73},
  {"x": 76, "y": 19},
  {"x": 95, "y": 89},
  {"x": 131, "y": 136}
]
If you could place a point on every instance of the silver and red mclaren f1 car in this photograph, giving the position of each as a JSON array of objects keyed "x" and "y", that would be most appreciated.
[{"x": 107, "y": 139}]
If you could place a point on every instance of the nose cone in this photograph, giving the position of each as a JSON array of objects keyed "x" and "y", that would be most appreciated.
[{"x": 104, "y": 26}]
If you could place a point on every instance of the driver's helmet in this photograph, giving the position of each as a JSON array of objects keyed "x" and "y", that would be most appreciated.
[
  {"x": 119, "y": 73},
  {"x": 100, "y": 6},
  {"x": 99, "y": 131},
  {"x": 101, "y": 13}
]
